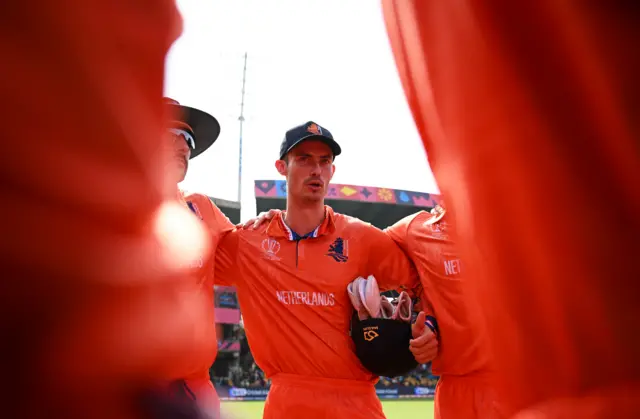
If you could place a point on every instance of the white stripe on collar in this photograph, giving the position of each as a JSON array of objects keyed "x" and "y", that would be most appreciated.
[{"x": 291, "y": 234}]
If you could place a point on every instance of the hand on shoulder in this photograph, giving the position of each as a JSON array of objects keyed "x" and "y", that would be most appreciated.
[{"x": 256, "y": 222}]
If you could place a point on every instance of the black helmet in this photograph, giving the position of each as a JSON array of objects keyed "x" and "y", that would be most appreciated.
[{"x": 382, "y": 345}]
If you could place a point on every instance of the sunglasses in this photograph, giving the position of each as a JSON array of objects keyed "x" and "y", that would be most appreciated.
[{"x": 191, "y": 142}]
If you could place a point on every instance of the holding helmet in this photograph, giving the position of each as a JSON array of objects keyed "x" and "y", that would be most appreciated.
[{"x": 382, "y": 331}]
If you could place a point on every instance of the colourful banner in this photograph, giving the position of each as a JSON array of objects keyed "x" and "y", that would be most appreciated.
[
  {"x": 227, "y": 315},
  {"x": 278, "y": 189}
]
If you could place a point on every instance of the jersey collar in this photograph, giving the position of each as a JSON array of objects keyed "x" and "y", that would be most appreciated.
[{"x": 278, "y": 228}]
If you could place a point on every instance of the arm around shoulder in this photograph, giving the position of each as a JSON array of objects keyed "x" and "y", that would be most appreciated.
[
  {"x": 208, "y": 211},
  {"x": 388, "y": 262},
  {"x": 226, "y": 268},
  {"x": 400, "y": 231}
]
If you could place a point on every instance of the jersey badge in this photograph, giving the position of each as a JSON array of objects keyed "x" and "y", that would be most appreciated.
[
  {"x": 339, "y": 250},
  {"x": 270, "y": 248}
]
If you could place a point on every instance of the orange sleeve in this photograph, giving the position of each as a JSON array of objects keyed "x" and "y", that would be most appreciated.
[
  {"x": 388, "y": 263},
  {"x": 217, "y": 222},
  {"x": 559, "y": 131},
  {"x": 226, "y": 269},
  {"x": 223, "y": 222},
  {"x": 399, "y": 232},
  {"x": 89, "y": 301}
]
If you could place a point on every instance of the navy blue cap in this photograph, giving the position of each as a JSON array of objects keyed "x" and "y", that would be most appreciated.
[{"x": 308, "y": 131}]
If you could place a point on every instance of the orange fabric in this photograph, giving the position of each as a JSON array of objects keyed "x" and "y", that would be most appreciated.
[
  {"x": 196, "y": 374},
  {"x": 205, "y": 395},
  {"x": 90, "y": 305},
  {"x": 295, "y": 396},
  {"x": 464, "y": 390},
  {"x": 614, "y": 402},
  {"x": 528, "y": 112},
  {"x": 429, "y": 244},
  {"x": 293, "y": 294},
  {"x": 466, "y": 397}
]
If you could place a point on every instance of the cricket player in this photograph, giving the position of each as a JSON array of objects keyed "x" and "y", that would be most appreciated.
[
  {"x": 96, "y": 304},
  {"x": 291, "y": 275},
  {"x": 536, "y": 150},
  {"x": 191, "y": 132},
  {"x": 464, "y": 389}
]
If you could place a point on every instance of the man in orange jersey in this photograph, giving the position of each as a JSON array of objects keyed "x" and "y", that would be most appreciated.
[
  {"x": 94, "y": 303},
  {"x": 192, "y": 131},
  {"x": 508, "y": 124},
  {"x": 464, "y": 390},
  {"x": 292, "y": 275}
]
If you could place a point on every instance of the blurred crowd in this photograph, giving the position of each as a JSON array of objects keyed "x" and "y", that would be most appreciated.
[
  {"x": 251, "y": 376},
  {"x": 420, "y": 377},
  {"x": 242, "y": 371}
]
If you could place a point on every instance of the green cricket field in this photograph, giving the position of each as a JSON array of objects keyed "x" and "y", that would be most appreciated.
[{"x": 393, "y": 409}]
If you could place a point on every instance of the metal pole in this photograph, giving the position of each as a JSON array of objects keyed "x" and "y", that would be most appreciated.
[{"x": 241, "y": 119}]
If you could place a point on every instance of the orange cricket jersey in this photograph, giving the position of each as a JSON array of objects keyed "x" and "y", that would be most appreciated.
[
  {"x": 536, "y": 149},
  {"x": 92, "y": 310},
  {"x": 293, "y": 291},
  {"x": 427, "y": 239},
  {"x": 217, "y": 223}
]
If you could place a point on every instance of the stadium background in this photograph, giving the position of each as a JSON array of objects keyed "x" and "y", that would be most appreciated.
[{"x": 235, "y": 374}]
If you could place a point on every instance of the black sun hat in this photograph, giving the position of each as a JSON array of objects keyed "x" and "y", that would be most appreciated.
[
  {"x": 203, "y": 127},
  {"x": 382, "y": 345}
]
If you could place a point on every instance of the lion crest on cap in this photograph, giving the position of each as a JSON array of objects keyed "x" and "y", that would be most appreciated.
[{"x": 314, "y": 129}]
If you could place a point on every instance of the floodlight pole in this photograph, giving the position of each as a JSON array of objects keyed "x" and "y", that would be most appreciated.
[{"x": 241, "y": 119}]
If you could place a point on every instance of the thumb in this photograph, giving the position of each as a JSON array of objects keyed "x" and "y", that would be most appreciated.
[{"x": 418, "y": 327}]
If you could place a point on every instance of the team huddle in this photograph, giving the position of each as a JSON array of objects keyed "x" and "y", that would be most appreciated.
[
  {"x": 107, "y": 279},
  {"x": 292, "y": 270}
]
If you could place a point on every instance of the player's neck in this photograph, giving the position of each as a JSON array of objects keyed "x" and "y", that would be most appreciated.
[{"x": 303, "y": 219}]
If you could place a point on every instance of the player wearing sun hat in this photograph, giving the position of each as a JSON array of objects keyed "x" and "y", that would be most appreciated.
[{"x": 190, "y": 133}]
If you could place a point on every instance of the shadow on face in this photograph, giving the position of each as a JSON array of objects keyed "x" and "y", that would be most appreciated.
[{"x": 179, "y": 153}]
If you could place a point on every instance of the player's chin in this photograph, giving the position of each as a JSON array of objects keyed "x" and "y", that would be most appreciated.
[
  {"x": 314, "y": 197},
  {"x": 180, "y": 169},
  {"x": 182, "y": 164},
  {"x": 177, "y": 170}
]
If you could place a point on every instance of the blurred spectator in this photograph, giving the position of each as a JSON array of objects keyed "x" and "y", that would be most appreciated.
[
  {"x": 243, "y": 377},
  {"x": 421, "y": 377},
  {"x": 248, "y": 375},
  {"x": 245, "y": 373}
]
